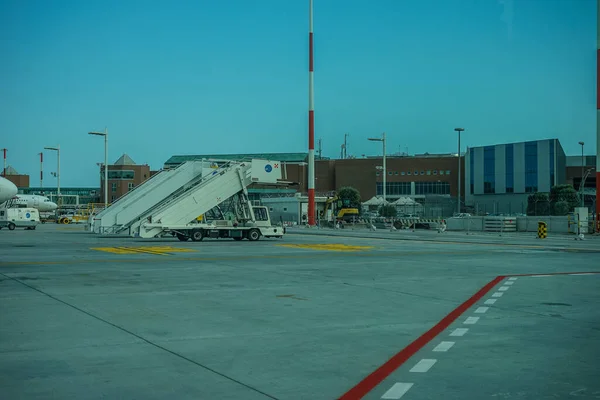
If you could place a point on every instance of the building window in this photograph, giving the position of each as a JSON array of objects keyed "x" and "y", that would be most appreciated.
[
  {"x": 432, "y": 188},
  {"x": 422, "y": 172},
  {"x": 472, "y": 170},
  {"x": 403, "y": 173},
  {"x": 130, "y": 186},
  {"x": 429, "y": 172},
  {"x": 416, "y": 172},
  {"x": 435, "y": 171},
  {"x": 396, "y": 173},
  {"x": 409, "y": 173},
  {"x": 489, "y": 169},
  {"x": 448, "y": 172},
  {"x": 552, "y": 167},
  {"x": 441, "y": 172},
  {"x": 119, "y": 174},
  {"x": 510, "y": 168},
  {"x": 377, "y": 173},
  {"x": 390, "y": 173},
  {"x": 114, "y": 186},
  {"x": 113, "y": 198},
  {"x": 531, "y": 173},
  {"x": 393, "y": 188}
]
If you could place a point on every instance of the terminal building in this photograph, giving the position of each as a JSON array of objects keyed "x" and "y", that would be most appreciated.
[{"x": 499, "y": 178}]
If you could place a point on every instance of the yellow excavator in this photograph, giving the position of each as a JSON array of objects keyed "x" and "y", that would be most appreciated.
[{"x": 337, "y": 209}]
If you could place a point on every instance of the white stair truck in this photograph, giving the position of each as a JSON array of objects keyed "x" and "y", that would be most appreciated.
[
  {"x": 12, "y": 218},
  {"x": 178, "y": 216},
  {"x": 125, "y": 211}
]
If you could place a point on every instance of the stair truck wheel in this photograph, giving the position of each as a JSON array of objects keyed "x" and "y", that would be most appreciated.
[
  {"x": 197, "y": 235},
  {"x": 11, "y": 226},
  {"x": 182, "y": 237},
  {"x": 253, "y": 235}
]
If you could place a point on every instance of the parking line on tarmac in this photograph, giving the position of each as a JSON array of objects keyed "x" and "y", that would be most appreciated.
[
  {"x": 443, "y": 346},
  {"x": 459, "y": 332},
  {"x": 330, "y": 247},
  {"x": 397, "y": 391},
  {"x": 376, "y": 377},
  {"x": 424, "y": 365},
  {"x": 155, "y": 250},
  {"x": 503, "y": 288}
]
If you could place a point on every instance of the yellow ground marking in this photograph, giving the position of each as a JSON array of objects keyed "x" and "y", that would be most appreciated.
[
  {"x": 329, "y": 247},
  {"x": 156, "y": 250}
]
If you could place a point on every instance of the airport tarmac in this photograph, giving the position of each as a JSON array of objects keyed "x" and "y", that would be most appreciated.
[{"x": 309, "y": 316}]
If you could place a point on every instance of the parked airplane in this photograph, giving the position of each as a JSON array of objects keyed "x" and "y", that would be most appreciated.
[
  {"x": 8, "y": 190},
  {"x": 42, "y": 203}
]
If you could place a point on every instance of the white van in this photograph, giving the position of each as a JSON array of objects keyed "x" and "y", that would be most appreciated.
[{"x": 12, "y": 218}]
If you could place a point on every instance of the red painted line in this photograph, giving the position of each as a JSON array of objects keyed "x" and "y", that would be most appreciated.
[
  {"x": 556, "y": 273},
  {"x": 376, "y": 377}
]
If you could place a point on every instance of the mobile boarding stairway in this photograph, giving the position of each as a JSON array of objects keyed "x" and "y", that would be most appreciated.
[
  {"x": 127, "y": 210},
  {"x": 177, "y": 212}
]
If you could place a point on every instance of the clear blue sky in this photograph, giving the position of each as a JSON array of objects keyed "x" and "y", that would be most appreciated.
[{"x": 230, "y": 76}]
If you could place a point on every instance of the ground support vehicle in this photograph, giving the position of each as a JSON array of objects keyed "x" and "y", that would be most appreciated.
[{"x": 12, "y": 218}]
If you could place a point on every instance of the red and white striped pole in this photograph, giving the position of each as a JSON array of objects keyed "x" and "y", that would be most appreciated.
[
  {"x": 311, "y": 122},
  {"x": 598, "y": 117},
  {"x": 41, "y": 170}
]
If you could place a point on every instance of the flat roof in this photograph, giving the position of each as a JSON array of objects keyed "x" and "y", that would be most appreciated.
[{"x": 284, "y": 157}]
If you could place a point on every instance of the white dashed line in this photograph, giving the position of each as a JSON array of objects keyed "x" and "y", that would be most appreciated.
[
  {"x": 509, "y": 283},
  {"x": 503, "y": 288},
  {"x": 583, "y": 273},
  {"x": 512, "y": 279},
  {"x": 471, "y": 320},
  {"x": 424, "y": 365},
  {"x": 459, "y": 332},
  {"x": 497, "y": 294},
  {"x": 490, "y": 301},
  {"x": 397, "y": 391},
  {"x": 444, "y": 346},
  {"x": 481, "y": 310}
]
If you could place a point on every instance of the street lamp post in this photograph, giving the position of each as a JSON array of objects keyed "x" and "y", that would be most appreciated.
[
  {"x": 382, "y": 140},
  {"x": 57, "y": 149},
  {"x": 459, "y": 130},
  {"x": 105, "y": 134},
  {"x": 582, "y": 168}
]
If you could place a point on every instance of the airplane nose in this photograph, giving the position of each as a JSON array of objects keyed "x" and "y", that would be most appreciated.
[
  {"x": 53, "y": 206},
  {"x": 12, "y": 189}
]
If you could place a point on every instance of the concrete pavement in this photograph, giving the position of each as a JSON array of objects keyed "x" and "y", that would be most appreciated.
[{"x": 304, "y": 317}]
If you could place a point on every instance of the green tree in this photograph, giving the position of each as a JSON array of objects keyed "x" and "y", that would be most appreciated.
[
  {"x": 388, "y": 211},
  {"x": 538, "y": 204},
  {"x": 566, "y": 196},
  {"x": 560, "y": 208},
  {"x": 349, "y": 197}
]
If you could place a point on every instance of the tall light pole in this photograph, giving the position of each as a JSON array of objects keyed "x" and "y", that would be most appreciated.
[
  {"x": 57, "y": 149},
  {"x": 42, "y": 172},
  {"x": 459, "y": 130},
  {"x": 4, "y": 169},
  {"x": 105, "y": 134},
  {"x": 382, "y": 140},
  {"x": 582, "y": 169}
]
